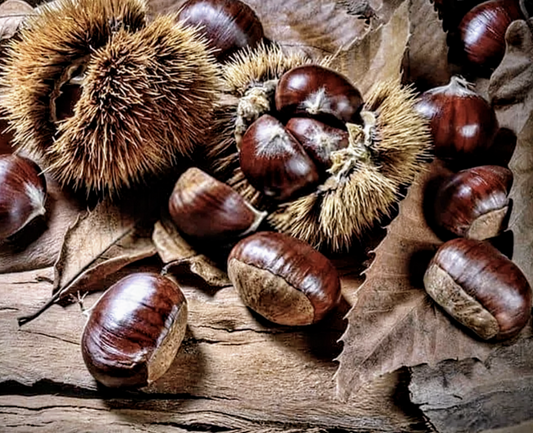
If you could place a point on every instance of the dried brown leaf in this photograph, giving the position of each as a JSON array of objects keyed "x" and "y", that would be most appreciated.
[
  {"x": 426, "y": 57},
  {"x": 511, "y": 84},
  {"x": 511, "y": 89},
  {"x": 179, "y": 256},
  {"x": 98, "y": 244},
  {"x": 12, "y": 14},
  {"x": 521, "y": 221},
  {"x": 318, "y": 27},
  {"x": 394, "y": 322},
  {"x": 378, "y": 56}
]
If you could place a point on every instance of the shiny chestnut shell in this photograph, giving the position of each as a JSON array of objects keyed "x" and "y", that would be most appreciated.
[
  {"x": 206, "y": 209},
  {"x": 229, "y": 25},
  {"x": 134, "y": 330},
  {"x": 312, "y": 90},
  {"x": 479, "y": 287},
  {"x": 318, "y": 139},
  {"x": 482, "y": 31},
  {"x": 474, "y": 203},
  {"x": 283, "y": 278},
  {"x": 463, "y": 124},
  {"x": 274, "y": 162},
  {"x": 22, "y": 193}
]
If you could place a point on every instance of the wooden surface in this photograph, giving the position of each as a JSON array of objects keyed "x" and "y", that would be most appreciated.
[{"x": 233, "y": 372}]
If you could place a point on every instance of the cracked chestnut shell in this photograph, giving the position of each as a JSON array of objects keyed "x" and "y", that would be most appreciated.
[
  {"x": 283, "y": 278},
  {"x": 229, "y": 25},
  {"x": 474, "y": 203},
  {"x": 315, "y": 91},
  {"x": 206, "y": 209},
  {"x": 480, "y": 288},
  {"x": 134, "y": 330},
  {"x": 22, "y": 193},
  {"x": 274, "y": 162}
]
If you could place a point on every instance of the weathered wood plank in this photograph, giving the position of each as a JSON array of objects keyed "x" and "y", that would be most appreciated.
[
  {"x": 233, "y": 370},
  {"x": 471, "y": 396}
]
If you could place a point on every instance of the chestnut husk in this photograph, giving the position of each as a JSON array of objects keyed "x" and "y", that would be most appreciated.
[{"x": 363, "y": 184}]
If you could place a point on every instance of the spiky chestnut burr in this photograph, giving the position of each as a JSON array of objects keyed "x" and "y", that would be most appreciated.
[
  {"x": 365, "y": 178},
  {"x": 147, "y": 91}
]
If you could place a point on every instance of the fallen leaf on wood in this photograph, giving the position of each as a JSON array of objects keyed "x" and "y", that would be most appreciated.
[
  {"x": 471, "y": 396},
  {"x": 378, "y": 56},
  {"x": 98, "y": 244},
  {"x": 426, "y": 58},
  {"x": 394, "y": 322},
  {"x": 179, "y": 256},
  {"x": 12, "y": 14}
]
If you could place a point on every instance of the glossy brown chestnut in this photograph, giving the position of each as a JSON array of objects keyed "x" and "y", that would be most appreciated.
[
  {"x": 274, "y": 162},
  {"x": 463, "y": 125},
  {"x": 22, "y": 193},
  {"x": 283, "y": 278},
  {"x": 315, "y": 91},
  {"x": 480, "y": 288},
  {"x": 207, "y": 209},
  {"x": 229, "y": 25},
  {"x": 474, "y": 203},
  {"x": 134, "y": 331},
  {"x": 482, "y": 31},
  {"x": 317, "y": 139}
]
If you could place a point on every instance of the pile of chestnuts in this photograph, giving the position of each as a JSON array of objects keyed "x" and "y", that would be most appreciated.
[
  {"x": 135, "y": 329},
  {"x": 468, "y": 277}
]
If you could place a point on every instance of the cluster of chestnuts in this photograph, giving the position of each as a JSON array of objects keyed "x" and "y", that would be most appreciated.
[
  {"x": 468, "y": 277},
  {"x": 317, "y": 127}
]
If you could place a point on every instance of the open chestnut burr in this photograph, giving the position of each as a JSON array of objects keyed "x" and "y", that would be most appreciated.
[{"x": 299, "y": 141}]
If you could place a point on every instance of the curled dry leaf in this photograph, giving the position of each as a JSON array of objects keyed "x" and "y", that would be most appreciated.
[
  {"x": 179, "y": 256},
  {"x": 378, "y": 56},
  {"x": 98, "y": 244},
  {"x": 426, "y": 58},
  {"x": 394, "y": 322},
  {"x": 470, "y": 396},
  {"x": 511, "y": 89},
  {"x": 12, "y": 14},
  {"x": 511, "y": 84}
]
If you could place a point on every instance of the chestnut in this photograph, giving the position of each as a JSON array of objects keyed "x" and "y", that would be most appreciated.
[
  {"x": 274, "y": 162},
  {"x": 463, "y": 124},
  {"x": 480, "y": 288},
  {"x": 23, "y": 193},
  {"x": 134, "y": 330},
  {"x": 207, "y": 209},
  {"x": 283, "y": 278},
  {"x": 474, "y": 203},
  {"x": 229, "y": 25},
  {"x": 318, "y": 139},
  {"x": 482, "y": 32},
  {"x": 316, "y": 91}
]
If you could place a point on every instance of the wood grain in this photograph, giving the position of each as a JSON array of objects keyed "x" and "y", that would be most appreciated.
[{"x": 233, "y": 371}]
